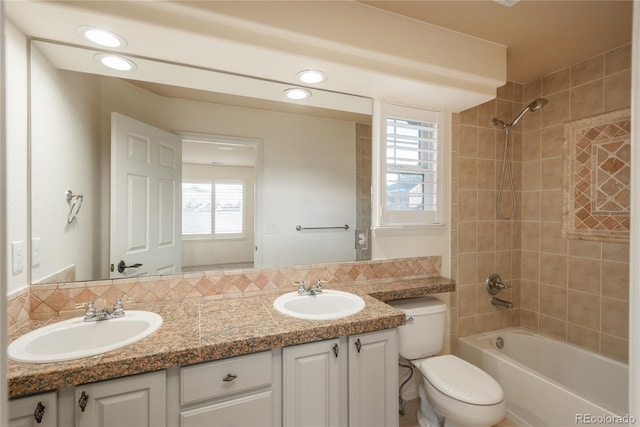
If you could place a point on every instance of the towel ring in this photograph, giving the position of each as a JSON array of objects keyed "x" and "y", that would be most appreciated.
[{"x": 76, "y": 204}]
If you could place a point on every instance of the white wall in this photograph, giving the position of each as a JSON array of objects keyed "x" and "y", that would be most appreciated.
[
  {"x": 16, "y": 150},
  {"x": 64, "y": 156}
]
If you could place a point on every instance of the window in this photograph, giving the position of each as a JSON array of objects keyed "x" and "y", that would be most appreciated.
[
  {"x": 411, "y": 166},
  {"x": 224, "y": 220}
]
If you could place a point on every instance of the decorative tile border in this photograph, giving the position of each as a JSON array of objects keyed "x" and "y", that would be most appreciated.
[
  {"x": 597, "y": 165},
  {"x": 61, "y": 299}
]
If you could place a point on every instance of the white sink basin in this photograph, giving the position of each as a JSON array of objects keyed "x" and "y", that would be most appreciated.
[
  {"x": 328, "y": 305},
  {"x": 75, "y": 338}
]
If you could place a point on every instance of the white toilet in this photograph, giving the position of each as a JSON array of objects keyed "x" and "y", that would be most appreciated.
[{"x": 451, "y": 388}]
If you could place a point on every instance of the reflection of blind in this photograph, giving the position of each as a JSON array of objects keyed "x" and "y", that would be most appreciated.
[
  {"x": 196, "y": 209},
  {"x": 412, "y": 165},
  {"x": 229, "y": 207}
]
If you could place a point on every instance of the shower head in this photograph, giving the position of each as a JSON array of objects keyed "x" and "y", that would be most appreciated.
[
  {"x": 537, "y": 104},
  {"x": 534, "y": 106}
]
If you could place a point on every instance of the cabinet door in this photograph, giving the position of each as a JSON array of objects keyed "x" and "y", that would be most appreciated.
[
  {"x": 38, "y": 410},
  {"x": 136, "y": 401},
  {"x": 373, "y": 379},
  {"x": 311, "y": 384}
]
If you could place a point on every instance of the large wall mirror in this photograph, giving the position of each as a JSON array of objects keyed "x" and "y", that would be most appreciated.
[{"x": 247, "y": 171}]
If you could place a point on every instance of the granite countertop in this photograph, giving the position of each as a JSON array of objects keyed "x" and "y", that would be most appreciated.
[{"x": 211, "y": 330}]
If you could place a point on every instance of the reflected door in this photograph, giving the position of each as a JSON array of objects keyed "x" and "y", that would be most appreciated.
[{"x": 146, "y": 174}]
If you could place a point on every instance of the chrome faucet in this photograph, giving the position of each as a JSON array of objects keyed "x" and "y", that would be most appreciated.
[
  {"x": 501, "y": 302},
  {"x": 311, "y": 290},
  {"x": 94, "y": 315}
]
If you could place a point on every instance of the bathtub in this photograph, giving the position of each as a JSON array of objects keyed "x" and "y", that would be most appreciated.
[{"x": 547, "y": 382}]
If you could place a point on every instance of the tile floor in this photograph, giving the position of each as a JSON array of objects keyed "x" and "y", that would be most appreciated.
[{"x": 409, "y": 418}]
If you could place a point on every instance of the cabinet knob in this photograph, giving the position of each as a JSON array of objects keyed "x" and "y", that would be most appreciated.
[
  {"x": 82, "y": 402},
  {"x": 229, "y": 378},
  {"x": 38, "y": 414},
  {"x": 336, "y": 350},
  {"x": 358, "y": 345}
]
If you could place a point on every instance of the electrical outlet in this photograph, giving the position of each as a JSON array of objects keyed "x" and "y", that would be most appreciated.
[{"x": 17, "y": 256}]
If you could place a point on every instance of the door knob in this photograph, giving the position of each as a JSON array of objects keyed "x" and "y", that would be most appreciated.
[{"x": 122, "y": 266}]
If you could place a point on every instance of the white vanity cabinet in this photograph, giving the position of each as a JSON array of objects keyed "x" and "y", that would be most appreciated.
[
  {"x": 373, "y": 379},
  {"x": 240, "y": 391},
  {"x": 37, "y": 410},
  {"x": 137, "y": 400},
  {"x": 312, "y": 387},
  {"x": 352, "y": 381}
]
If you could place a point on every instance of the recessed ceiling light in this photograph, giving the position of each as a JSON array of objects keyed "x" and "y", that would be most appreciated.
[
  {"x": 102, "y": 37},
  {"x": 297, "y": 93},
  {"x": 311, "y": 76},
  {"x": 116, "y": 62}
]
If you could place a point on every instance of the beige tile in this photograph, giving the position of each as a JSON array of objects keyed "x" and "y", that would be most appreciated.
[
  {"x": 553, "y": 327},
  {"x": 552, "y": 173},
  {"x": 530, "y": 236},
  {"x": 468, "y": 141},
  {"x": 469, "y": 117},
  {"x": 615, "y": 252},
  {"x": 617, "y": 60},
  {"x": 617, "y": 91},
  {"x": 467, "y": 237},
  {"x": 529, "y": 319},
  {"x": 551, "y": 239},
  {"x": 556, "y": 112},
  {"x": 485, "y": 267},
  {"x": 486, "y": 236},
  {"x": 530, "y": 206},
  {"x": 504, "y": 319},
  {"x": 553, "y": 301},
  {"x": 583, "y": 337},
  {"x": 587, "y": 100},
  {"x": 503, "y": 265},
  {"x": 584, "y": 275},
  {"x": 615, "y": 317},
  {"x": 467, "y": 269},
  {"x": 486, "y": 322},
  {"x": 486, "y": 179},
  {"x": 615, "y": 280},
  {"x": 552, "y": 141},
  {"x": 467, "y": 205},
  {"x": 486, "y": 205},
  {"x": 487, "y": 143},
  {"x": 587, "y": 71},
  {"x": 529, "y": 295},
  {"x": 486, "y": 112},
  {"x": 531, "y": 175},
  {"x": 531, "y": 145},
  {"x": 532, "y": 90},
  {"x": 466, "y": 326},
  {"x": 615, "y": 348},
  {"x": 530, "y": 266},
  {"x": 556, "y": 82},
  {"x": 505, "y": 92},
  {"x": 518, "y": 92},
  {"x": 585, "y": 249},
  {"x": 584, "y": 310},
  {"x": 504, "y": 112},
  {"x": 466, "y": 300},
  {"x": 467, "y": 173},
  {"x": 551, "y": 205},
  {"x": 553, "y": 269},
  {"x": 503, "y": 235}
]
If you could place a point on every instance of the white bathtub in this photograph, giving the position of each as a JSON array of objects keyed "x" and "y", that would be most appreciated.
[{"x": 548, "y": 382}]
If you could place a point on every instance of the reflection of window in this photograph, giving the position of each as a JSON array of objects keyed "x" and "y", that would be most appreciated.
[
  {"x": 229, "y": 197},
  {"x": 227, "y": 217},
  {"x": 196, "y": 209},
  {"x": 412, "y": 166}
]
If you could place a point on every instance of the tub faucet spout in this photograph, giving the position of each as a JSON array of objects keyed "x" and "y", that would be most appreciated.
[{"x": 501, "y": 302}]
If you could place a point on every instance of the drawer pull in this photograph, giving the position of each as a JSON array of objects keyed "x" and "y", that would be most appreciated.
[
  {"x": 82, "y": 402},
  {"x": 229, "y": 378},
  {"x": 38, "y": 414},
  {"x": 358, "y": 345}
]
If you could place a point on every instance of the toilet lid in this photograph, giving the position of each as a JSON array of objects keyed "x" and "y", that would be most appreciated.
[{"x": 461, "y": 380}]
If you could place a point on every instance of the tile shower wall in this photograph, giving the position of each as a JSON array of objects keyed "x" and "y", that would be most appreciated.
[{"x": 574, "y": 290}]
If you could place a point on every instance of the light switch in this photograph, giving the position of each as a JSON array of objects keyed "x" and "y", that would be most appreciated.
[
  {"x": 17, "y": 256},
  {"x": 35, "y": 252}
]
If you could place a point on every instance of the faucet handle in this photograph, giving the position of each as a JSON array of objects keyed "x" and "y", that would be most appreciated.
[{"x": 300, "y": 285}]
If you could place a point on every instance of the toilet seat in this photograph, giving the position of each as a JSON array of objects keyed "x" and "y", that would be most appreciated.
[{"x": 460, "y": 380}]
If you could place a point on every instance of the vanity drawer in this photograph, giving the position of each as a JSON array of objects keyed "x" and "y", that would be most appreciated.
[{"x": 215, "y": 379}]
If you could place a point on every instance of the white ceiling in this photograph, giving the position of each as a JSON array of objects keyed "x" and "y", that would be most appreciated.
[{"x": 542, "y": 36}]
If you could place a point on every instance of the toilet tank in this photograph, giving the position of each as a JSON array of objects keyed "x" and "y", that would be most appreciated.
[{"x": 423, "y": 335}]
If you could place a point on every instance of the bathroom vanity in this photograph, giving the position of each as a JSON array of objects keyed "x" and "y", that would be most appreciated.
[{"x": 238, "y": 360}]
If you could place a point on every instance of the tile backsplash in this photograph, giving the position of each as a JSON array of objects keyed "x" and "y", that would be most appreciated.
[{"x": 62, "y": 299}]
